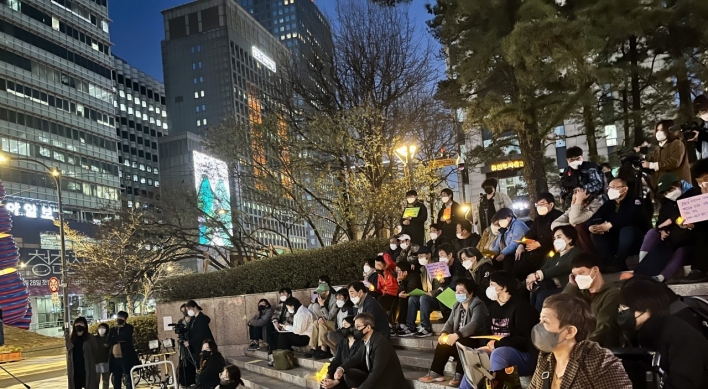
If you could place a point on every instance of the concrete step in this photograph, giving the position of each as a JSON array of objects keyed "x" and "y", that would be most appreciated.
[
  {"x": 256, "y": 381},
  {"x": 412, "y": 342}
]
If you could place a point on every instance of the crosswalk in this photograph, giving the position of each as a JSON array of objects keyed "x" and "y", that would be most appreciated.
[{"x": 33, "y": 366}]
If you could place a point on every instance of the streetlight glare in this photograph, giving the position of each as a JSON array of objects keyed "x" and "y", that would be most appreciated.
[
  {"x": 412, "y": 149},
  {"x": 3, "y": 158},
  {"x": 56, "y": 173},
  {"x": 402, "y": 150}
]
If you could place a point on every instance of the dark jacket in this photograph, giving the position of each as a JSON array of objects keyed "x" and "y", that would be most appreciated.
[
  {"x": 449, "y": 231},
  {"x": 477, "y": 318},
  {"x": 457, "y": 271},
  {"x": 103, "y": 352},
  {"x": 604, "y": 305},
  {"x": 630, "y": 213},
  {"x": 683, "y": 350},
  {"x": 589, "y": 367},
  {"x": 281, "y": 314},
  {"x": 411, "y": 282},
  {"x": 370, "y": 305},
  {"x": 416, "y": 228},
  {"x": 470, "y": 241},
  {"x": 344, "y": 352},
  {"x": 541, "y": 230},
  {"x": 514, "y": 322},
  {"x": 678, "y": 237},
  {"x": 124, "y": 336},
  {"x": 588, "y": 176},
  {"x": 386, "y": 372},
  {"x": 88, "y": 349},
  {"x": 480, "y": 274},
  {"x": 199, "y": 331},
  {"x": 208, "y": 375},
  {"x": 434, "y": 245},
  {"x": 558, "y": 266}
]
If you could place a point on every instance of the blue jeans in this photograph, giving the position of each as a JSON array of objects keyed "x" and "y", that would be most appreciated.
[
  {"x": 504, "y": 357},
  {"x": 426, "y": 305}
]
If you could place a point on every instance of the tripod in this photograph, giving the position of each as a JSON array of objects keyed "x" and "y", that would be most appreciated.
[
  {"x": 11, "y": 375},
  {"x": 185, "y": 356}
]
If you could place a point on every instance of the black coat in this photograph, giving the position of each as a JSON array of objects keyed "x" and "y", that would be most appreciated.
[
  {"x": 370, "y": 305},
  {"x": 470, "y": 241},
  {"x": 541, "y": 230},
  {"x": 630, "y": 213},
  {"x": 210, "y": 369},
  {"x": 124, "y": 336},
  {"x": 678, "y": 237},
  {"x": 344, "y": 352},
  {"x": 416, "y": 228},
  {"x": 434, "y": 246},
  {"x": 683, "y": 350},
  {"x": 450, "y": 230},
  {"x": 386, "y": 372},
  {"x": 514, "y": 321},
  {"x": 199, "y": 331}
]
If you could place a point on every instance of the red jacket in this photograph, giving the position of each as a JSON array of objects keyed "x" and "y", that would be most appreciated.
[{"x": 387, "y": 284}]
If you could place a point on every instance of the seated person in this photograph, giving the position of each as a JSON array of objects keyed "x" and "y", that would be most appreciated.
[
  {"x": 375, "y": 365},
  {"x": 489, "y": 236},
  {"x": 257, "y": 326},
  {"x": 386, "y": 285},
  {"x": 512, "y": 230},
  {"x": 365, "y": 303},
  {"x": 512, "y": 318},
  {"x": 468, "y": 318},
  {"x": 436, "y": 239},
  {"x": 581, "y": 209},
  {"x": 281, "y": 317},
  {"x": 480, "y": 268},
  {"x": 644, "y": 308},
  {"x": 299, "y": 333},
  {"x": 210, "y": 366},
  {"x": 370, "y": 275},
  {"x": 394, "y": 250},
  {"x": 448, "y": 255},
  {"x": 326, "y": 315},
  {"x": 561, "y": 335},
  {"x": 587, "y": 282},
  {"x": 618, "y": 227},
  {"x": 677, "y": 237},
  {"x": 465, "y": 236},
  {"x": 346, "y": 308},
  {"x": 553, "y": 275},
  {"x": 699, "y": 248},
  {"x": 346, "y": 347},
  {"x": 230, "y": 378},
  {"x": 580, "y": 174},
  {"x": 408, "y": 281},
  {"x": 407, "y": 249},
  {"x": 538, "y": 241}
]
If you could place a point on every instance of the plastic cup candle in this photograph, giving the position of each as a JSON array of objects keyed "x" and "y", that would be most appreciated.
[
  {"x": 444, "y": 338},
  {"x": 371, "y": 287},
  {"x": 552, "y": 254},
  {"x": 680, "y": 220}
]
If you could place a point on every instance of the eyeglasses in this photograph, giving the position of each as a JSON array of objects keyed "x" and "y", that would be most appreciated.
[{"x": 360, "y": 328}]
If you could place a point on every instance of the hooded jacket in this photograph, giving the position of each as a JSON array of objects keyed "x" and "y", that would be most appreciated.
[
  {"x": 506, "y": 242},
  {"x": 513, "y": 321}
]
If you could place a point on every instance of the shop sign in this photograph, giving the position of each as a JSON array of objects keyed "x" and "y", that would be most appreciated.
[
  {"x": 31, "y": 209},
  {"x": 507, "y": 165}
]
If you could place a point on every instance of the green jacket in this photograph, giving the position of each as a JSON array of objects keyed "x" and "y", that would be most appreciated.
[
  {"x": 558, "y": 266},
  {"x": 604, "y": 306}
]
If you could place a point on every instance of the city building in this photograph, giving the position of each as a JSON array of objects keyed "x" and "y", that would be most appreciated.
[
  {"x": 141, "y": 119},
  {"x": 57, "y": 108}
]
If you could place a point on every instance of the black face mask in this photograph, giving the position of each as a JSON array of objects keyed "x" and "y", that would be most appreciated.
[
  {"x": 79, "y": 330},
  {"x": 488, "y": 189},
  {"x": 644, "y": 150},
  {"x": 346, "y": 331},
  {"x": 626, "y": 320},
  {"x": 120, "y": 321},
  {"x": 262, "y": 308},
  {"x": 206, "y": 354},
  {"x": 358, "y": 334}
]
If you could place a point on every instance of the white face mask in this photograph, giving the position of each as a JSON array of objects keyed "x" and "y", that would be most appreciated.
[
  {"x": 559, "y": 244},
  {"x": 367, "y": 268},
  {"x": 673, "y": 195},
  {"x": 613, "y": 194},
  {"x": 191, "y": 312},
  {"x": 467, "y": 264},
  {"x": 584, "y": 282},
  {"x": 704, "y": 185},
  {"x": 423, "y": 261},
  {"x": 459, "y": 236},
  {"x": 542, "y": 210},
  {"x": 283, "y": 298},
  {"x": 291, "y": 311},
  {"x": 340, "y": 303},
  {"x": 575, "y": 164},
  {"x": 393, "y": 246},
  {"x": 442, "y": 259},
  {"x": 504, "y": 223},
  {"x": 411, "y": 200},
  {"x": 492, "y": 293},
  {"x": 445, "y": 199},
  {"x": 101, "y": 331},
  {"x": 660, "y": 136},
  {"x": 404, "y": 246},
  {"x": 495, "y": 229},
  {"x": 433, "y": 236},
  {"x": 355, "y": 300}
]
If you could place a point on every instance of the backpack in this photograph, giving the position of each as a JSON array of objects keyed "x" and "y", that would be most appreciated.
[
  {"x": 283, "y": 359},
  {"x": 697, "y": 305}
]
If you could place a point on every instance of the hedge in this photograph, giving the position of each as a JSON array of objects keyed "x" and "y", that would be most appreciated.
[
  {"x": 342, "y": 262},
  {"x": 145, "y": 330}
]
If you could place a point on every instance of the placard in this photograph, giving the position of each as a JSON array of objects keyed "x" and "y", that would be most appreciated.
[
  {"x": 437, "y": 270},
  {"x": 447, "y": 298},
  {"x": 694, "y": 209},
  {"x": 411, "y": 212},
  {"x": 416, "y": 292},
  {"x": 166, "y": 321}
]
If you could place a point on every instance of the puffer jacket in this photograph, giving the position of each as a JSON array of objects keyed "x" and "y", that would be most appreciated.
[{"x": 387, "y": 283}]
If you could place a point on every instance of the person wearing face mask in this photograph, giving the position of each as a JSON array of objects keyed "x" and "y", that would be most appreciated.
[
  {"x": 393, "y": 249},
  {"x": 666, "y": 247},
  {"x": 480, "y": 268},
  {"x": 281, "y": 316},
  {"x": 415, "y": 226},
  {"x": 102, "y": 355},
  {"x": 567, "y": 359},
  {"x": 618, "y": 227},
  {"x": 408, "y": 281},
  {"x": 300, "y": 332},
  {"x": 587, "y": 282},
  {"x": 81, "y": 352},
  {"x": 370, "y": 275},
  {"x": 511, "y": 231},
  {"x": 684, "y": 351},
  {"x": 465, "y": 236},
  {"x": 581, "y": 209},
  {"x": 375, "y": 365},
  {"x": 407, "y": 249},
  {"x": 346, "y": 347},
  {"x": 326, "y": 316},
  {"x": 490, "y": 202},
  {"x": 365, "y": 303},
  {"x": 699, "y": 139},
  {"x": 552, "y": 277},
  {"x": 211, "y": 364},
  {"x": 123, "y": 355},
  {"x": 436, "y": 239},
  {"x": 199, "y": 329},
  {"x": 257, "y": 326},
  {"x": 538, "y": 241},
  {"x": 468, "y": 318},
  {"x": 512, "y": 318},
  {"x": 670, "y": 156},
  {"x": 699, "y": 248},
  {"x": 580, "y": 174},
  {"x": 449, "y": 215},
  {"x": 345, "y": 308},
  {"x": 230, "y": 378}
]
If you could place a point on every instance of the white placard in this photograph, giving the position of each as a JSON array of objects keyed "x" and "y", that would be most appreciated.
[{"x": 166, "y": 321}]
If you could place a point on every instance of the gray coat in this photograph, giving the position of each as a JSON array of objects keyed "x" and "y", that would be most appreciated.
[
  {"x": 90, "y": 350},
  {"x": 477, "y": 315},
  {"x": 330, "y": 310},
  {"x": 262, "y": 321}
]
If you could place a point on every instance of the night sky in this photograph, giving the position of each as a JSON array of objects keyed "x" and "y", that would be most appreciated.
[{"x": 138, "y": 28}]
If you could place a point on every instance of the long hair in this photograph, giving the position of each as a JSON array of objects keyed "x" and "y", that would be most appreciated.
[{"x": 74, "y": 335}]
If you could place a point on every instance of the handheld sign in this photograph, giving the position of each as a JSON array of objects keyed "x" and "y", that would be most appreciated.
[
  {"x": 694, "y": 209},
  {"x": 416, "y": 292},
  {"x": 447, "y": 298},
  {"x": 411, "y": 212},
  {"x": 437, "y": 270}
]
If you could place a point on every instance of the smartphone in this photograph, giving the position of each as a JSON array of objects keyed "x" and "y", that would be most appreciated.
[{"x": 314, "y": 297}]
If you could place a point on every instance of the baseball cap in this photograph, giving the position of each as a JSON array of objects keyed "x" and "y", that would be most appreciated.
[
  {"x": 404, "y": 237},
  {"x": 665, "y": 182},
  {"x": 322, "y": 288}
]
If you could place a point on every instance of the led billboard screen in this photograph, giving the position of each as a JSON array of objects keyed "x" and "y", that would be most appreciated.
[{"x": 211, "y": 178}]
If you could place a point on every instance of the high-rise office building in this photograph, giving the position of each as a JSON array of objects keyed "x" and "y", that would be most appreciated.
[{"x": 141, "y": 119}]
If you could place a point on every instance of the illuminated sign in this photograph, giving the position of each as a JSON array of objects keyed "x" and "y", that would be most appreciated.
[
  {"x": 30, "y": 209},
  {"x": 507, "y": 165},
  {"x": 211, "y": 179},
  {"x": 264, "y": 59}
]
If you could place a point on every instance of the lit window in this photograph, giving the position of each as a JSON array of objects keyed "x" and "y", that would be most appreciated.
[
  {"x": 149, "y": 169},
  {"x": 164, "y": 114},
  {"x": 142, "y": 180},
  {"x": 122, "y": 107},
  {"x": 130, "y": 97},
  {"x": 205, "y": 122},
  {"x": 157, "y": 109},
  {"x": 135, "y": 177},
  {"x": 142, "y": 167},
  {"x": 144, "y": 105},
  {"x": 159, "y": 123},
  {"x": 611, "y": 135},
  {"x": 121, "y": 93},
  {"x": 149, "y": 181},
  {"x": 137, "y": 114},
  {"x": 130, "y": 204},
  {"x": 151, "y": 108},
  {"x": 196, "y": 95},
  {"x": 157, "y": 184},
  {"x": 202, "y": 93},
  {"x": 164, "y": 126},
  {"x": 134, "y": 165},
  {"x": 137, "y": 100},
  {"x": 126, "y": 163},
  {"x": 145, "y": 117},
  {"x": 156, "y": 171},
  {"x": 152, "y": 120},
  {"x": 130, "y": 110},
  {"x": 199, "y": 123}
]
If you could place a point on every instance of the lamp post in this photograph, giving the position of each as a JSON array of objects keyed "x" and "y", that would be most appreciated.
[
  {"x": 56, "y": 175},
  {"x": 405, "y": 153}
]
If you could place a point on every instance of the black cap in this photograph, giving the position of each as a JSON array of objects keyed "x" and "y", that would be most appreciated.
[
  {"x": 411, "y": 193},
  {"x": 424, "y": 250}
]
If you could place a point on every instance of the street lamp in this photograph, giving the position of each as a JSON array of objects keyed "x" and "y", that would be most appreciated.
[
  {"x": 56, "y": 174},
  {"x": 406, "y": 153}
]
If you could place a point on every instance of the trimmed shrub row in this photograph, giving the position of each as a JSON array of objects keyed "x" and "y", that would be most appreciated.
[
  {"x": 343, "y": 262},
  {"x": 145, "y": 330}
]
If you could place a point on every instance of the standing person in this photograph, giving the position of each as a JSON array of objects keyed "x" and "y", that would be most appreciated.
[
  {"x": 211, "y": 365},
  {"x": 230, "y": 378},
  {"x": 415, "y": 226},
  {"x": 365, "y": 303},
  {"x": 490, "y": 202},
  {"x": 567, "y": 359},
  {"x": 123, "y": 355},
  {"x": 346, "y": 347},
  {"x": 81, "y": 351},
  {"x": 538, "y": 241},
  {"x": 199, "y": 329},
  {"x": 480, "y": 268},
  {"x": 449, "y": 215},
  {"x": 258, "y": 325},
  {"x": 670, "y": 156},
  {"x": 298, "y": 334},
  {"x": 102, "y": 355}
]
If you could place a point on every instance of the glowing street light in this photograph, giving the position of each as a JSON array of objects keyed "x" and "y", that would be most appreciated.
[{"x": 406, "y": 153}]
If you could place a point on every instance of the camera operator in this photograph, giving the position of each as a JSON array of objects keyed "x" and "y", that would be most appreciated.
[
  {"x": 670, "y": 156},
  {"x": 580, "y": 174},
  {"x": 697, "y": 129},
  {"x": 187, "y": 361},
  {"x": 490, "y": 202},
  {"x": 199, "y": 330}
]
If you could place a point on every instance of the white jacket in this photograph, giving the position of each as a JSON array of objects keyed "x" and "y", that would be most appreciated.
[{"x": 303, "y": 321}]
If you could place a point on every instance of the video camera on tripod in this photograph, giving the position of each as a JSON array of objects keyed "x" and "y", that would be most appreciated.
[{"x": 181, "y": 330}]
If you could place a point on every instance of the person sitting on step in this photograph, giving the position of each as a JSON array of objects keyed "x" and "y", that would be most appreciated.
[
  {"x": 427, "y": 303},
  {"x": 258, "y": 325},
  {"x": 298, "y": 334},
  {"x": 346, "y": 347}
]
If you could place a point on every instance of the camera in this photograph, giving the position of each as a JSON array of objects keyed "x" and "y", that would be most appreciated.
[
  {"x": 694, "y": 125},
  {"x": 181, "y": 330},
  {"x": 628, "y": 156}
]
